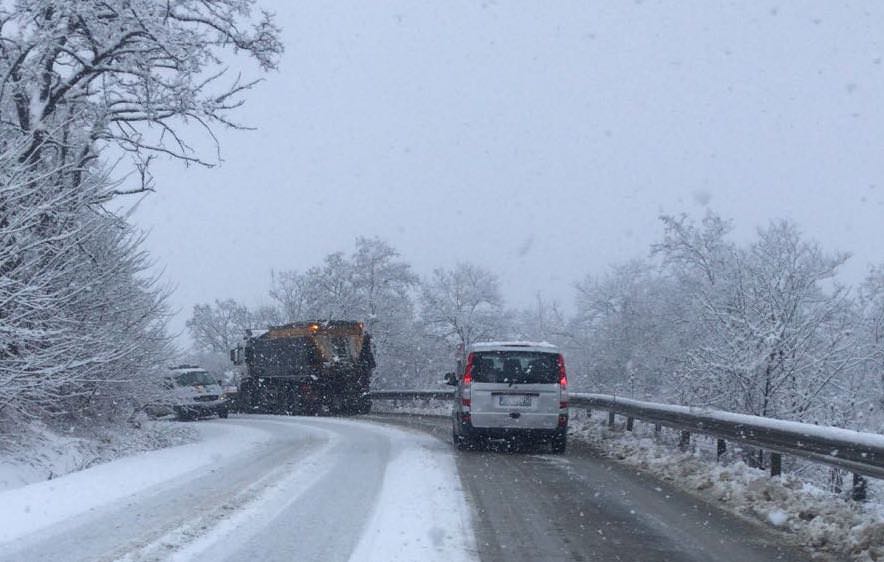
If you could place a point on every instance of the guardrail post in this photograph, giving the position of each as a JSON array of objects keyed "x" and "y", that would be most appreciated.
[
  {"x": 610, "y": 419},
  {"x": 629, "y": 423},
  {"x": 721, "y": 449},
  {"x": 776, "y": 464},
  {"x": 684, "y": 441},
  {"x": 859, "y": 488},
  {"x": 657, "y": 429}
]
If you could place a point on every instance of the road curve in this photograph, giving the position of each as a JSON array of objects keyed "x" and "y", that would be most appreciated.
[
  {"x": 315, "y": 489},
  {"x": 580, "y": 506}
]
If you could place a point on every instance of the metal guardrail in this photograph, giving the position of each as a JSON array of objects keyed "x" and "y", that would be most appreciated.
[
  {"x": 411, "y": 394},
  {"x": 858, "y": 452}
]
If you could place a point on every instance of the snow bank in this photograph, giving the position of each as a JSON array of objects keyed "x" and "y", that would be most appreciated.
[
  {"x": 421, "y": 513},
  {"x": 36, "y": 506},
  {"x": 35, "y": 453},
  {"x": 822, "y": 521}
]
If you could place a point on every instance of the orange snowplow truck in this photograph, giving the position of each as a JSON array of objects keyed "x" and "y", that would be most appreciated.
[{"x": 306, "y": 368}]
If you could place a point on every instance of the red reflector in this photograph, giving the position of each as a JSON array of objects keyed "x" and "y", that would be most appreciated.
[
  {"x": 563, "y": 405},
  {"x": 468, "y": 370},
  {"x": 563, "y": 377},
  {"x": 466, "y": 402},
  {"x": 563, "y": 420}
]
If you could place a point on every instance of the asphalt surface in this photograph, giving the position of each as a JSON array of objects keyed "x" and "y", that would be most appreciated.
[
  {"x": 318, "y": 487},
  {"x": 581, "y": 506}
]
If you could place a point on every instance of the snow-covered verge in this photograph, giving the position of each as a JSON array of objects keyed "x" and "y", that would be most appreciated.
[
  {"x": 35, "y": 506},
  {"x": 826, "y": 523},
  {"x": 36, "y": 452}
]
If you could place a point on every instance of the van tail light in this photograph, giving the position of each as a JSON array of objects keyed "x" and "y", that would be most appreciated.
[
  {"x": 466, "y": 394},
  {"x": 563, "y": 382}
]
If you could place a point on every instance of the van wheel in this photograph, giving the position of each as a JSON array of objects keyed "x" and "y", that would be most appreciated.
[
  {"x": 458, "y": 441},
  {"x": 462, "y": 442},
  {"x": 559, "y": 444}
]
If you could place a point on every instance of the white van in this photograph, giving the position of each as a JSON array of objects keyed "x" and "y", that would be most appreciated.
[
  {"x": 510, "y": 389},
  {"x": 194, "y": 393}
]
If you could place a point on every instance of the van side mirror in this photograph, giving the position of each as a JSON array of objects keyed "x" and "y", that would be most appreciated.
[{"x": 451, "y": 379}]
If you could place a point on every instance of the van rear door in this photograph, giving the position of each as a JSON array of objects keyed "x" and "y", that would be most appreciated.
[{"x": 515, "y": 389}]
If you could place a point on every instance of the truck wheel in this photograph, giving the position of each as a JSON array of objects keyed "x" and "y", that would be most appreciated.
[
  {"x": 309, "y": 408},
  {"x": 337, "y": 407},
  {"x": 559, "y": 444},
  {"x": 246, "y": 396},
  {"x": 463, "y": 443},
  {"x": 345, "y": 408},
  {"x": 363, "y": 406}
]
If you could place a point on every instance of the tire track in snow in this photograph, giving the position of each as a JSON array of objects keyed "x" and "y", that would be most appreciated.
[
  {"x": 249, "y": 510},
  {"x": 106, "y": 531},
  {"x": 385, "y": 494},
  {"x": 314, "y": 489}
]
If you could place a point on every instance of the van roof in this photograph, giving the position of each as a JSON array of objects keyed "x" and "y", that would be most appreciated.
[{"x": 544, "y": 347}]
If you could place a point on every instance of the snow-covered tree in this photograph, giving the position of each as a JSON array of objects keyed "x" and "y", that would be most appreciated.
[
  {"x": 288, "y": 290},
  {"x": 773, "y": 333},
  {"x": 81, "y": 321},
  {"x": 871, "y": 381},
  {"x": 463, "y": 305},
  {"x": 80, "y": 75},
  {"x": 372, "y": 285},
  {"x": 220, "y": 326},
  {"x": 628, "y": 331},
  {"x": 545, "y": 321},
  {"x": 266, "y": 315}
]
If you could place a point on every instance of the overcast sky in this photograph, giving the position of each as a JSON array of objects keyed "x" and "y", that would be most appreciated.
[{"x": 541, "y": 139}]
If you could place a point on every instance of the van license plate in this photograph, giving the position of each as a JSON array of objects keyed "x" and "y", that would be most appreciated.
[{"x": 523, "y": 400}]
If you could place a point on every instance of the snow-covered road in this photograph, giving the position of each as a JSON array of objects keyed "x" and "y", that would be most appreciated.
[
  {"x": 256, "y": 488},
  {"x": 382, "y": 488},
  {"x": 581, "y": 506}
]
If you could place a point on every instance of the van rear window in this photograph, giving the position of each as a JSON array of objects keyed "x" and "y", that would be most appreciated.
[{"x": 515, "y": 367}]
